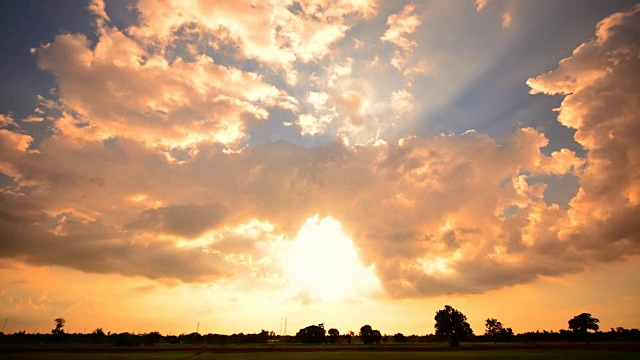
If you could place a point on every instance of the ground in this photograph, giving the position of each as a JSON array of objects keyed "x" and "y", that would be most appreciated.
[{"x": 470, "y": 351}]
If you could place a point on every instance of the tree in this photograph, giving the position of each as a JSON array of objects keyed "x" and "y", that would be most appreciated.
[
  {"x": 377, "y": 336},
  {"x": 333, "y": 335},
  {"x": 496, "y": 332},
  {"x": 581, "y": 324},
  {"x": 348, "y": 336},
  {"x": 313, "y": 334},
  {"x": 369, "y": 335},
  {"x": 151, "y": 338},
  {"x": 452, "y": 324},
  {"x": 366, "y": 334},
  {"x": 507, "y": 334},
  {"x": 125, "y": 339},
  {"x": 59, "y": 325},
  {"x": 98, "y": 336},
  {"x": 399, "y": 337},
  {"x": 493, "y": 328}
]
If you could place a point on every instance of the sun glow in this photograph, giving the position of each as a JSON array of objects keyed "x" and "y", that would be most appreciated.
[{"x": 322, "y": 264}]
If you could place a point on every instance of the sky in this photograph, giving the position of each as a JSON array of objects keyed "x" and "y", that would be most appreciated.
[{"x": 220, "y": 165}]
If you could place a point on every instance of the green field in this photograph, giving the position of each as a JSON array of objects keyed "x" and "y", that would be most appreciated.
[{"x": 339, "y": 355}]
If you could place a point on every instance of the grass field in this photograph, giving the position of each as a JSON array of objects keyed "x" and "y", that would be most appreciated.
[{"x": 338, "y": 355}]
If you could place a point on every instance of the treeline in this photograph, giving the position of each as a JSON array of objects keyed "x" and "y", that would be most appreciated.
[
  {"x": 617, "y": 334},
  {"x": 450, "y": 325},
  {"x": 98, "y": 337},
  {"x": 154, "y": 338}
]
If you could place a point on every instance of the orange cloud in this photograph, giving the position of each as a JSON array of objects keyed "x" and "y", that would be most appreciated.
[
  {"x": 401, "y": 25},
  {"x": 601, "y": 88},
  {"x": 118, "y": 89},
  {"x": 480, "y": 4},
  {"x": 452, "y": 213},
  {"x": 277, "y": 33},
  {"x": 12, "y": 140},
  {"x": 506, "y": 20}
]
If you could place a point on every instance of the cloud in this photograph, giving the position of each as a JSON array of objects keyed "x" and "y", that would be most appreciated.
[
  {"x": 506, "y": 20},
  {"x": 277, "y": 33},
  {"x": 96, "y": 7},
  {"x": 353, "y": 104},
  {"x": 402, "y": 102},
  {"x": 400, "y": 25},
  {"x": 182, "y": 220},
  {"x": 562, "y": 162},
  {"x": 323, "y": 114},
  {"x": 601, "y": 104},
  {"x": 312, "y": 125},
  {"x": 450, "y": 213},
  {"x": 407, "y": 201},
  {"x": 12, "y": 139},
  {"x": 119, "y": 89},
  {"x": 480, "y": 4},
  {"x": 95, "y": 246}
]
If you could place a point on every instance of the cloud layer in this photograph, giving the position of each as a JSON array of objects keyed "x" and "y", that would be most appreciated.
[{"x": 151, "y": 171}]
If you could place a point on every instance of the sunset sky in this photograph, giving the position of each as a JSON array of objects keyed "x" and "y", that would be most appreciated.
[{"x": 232, "y": 163}]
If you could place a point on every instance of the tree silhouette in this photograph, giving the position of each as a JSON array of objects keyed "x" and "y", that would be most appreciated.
[
  {"x": 333, "y": 335},
  {"x": 98, "y": 336},
  {"x": 314, "y": 334},
  {"x": 495, "y": 330},
  {"x": 452, "y": 324},
  {"x": 348, "y": 336},
  {"x": 399, "y": 337},
  {"x": 377, "y": 336},
  {"x": 59, "y": 325},
  {"x": 581, "y": 324},
  {"x": 493, "y": 327},
  {"x": 506, "y": 334},
  {"x": 151, "y": 338},
  {"x": 366, "y": 334}
]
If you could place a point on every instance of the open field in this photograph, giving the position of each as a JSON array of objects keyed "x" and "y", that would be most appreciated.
[
  {"x": 479, "y": 351},
  {"x": 339, "y": 355}
]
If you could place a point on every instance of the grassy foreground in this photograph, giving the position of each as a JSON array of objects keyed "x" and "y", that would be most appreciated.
[{"x": 340, "y": 355}]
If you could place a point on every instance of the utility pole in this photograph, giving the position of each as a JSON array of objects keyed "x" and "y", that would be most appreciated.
[{"x": 285, "y": 326}]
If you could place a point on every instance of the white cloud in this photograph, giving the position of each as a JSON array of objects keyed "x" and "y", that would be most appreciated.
[
  {"x": 402, "y": 102},
  {"x": 312, "y": 125},
  {"x": 318, "y": 99},
  {"x": 268, "y": 32}
]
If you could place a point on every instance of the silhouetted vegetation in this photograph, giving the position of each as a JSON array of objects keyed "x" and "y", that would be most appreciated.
[
  {"x": 59, "y": 325},
  {"x": 348, "y": 337},
  {"x": 452, "y": 324},
  {"x": 495, "y": 330},
  {"x": 581, "y": 324},
  {"x": 370, "y": 336},
  {"x": 334, "y": 334},
  {"x": 98, "y": 336},
  {"x": 314, "y": 334}
]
